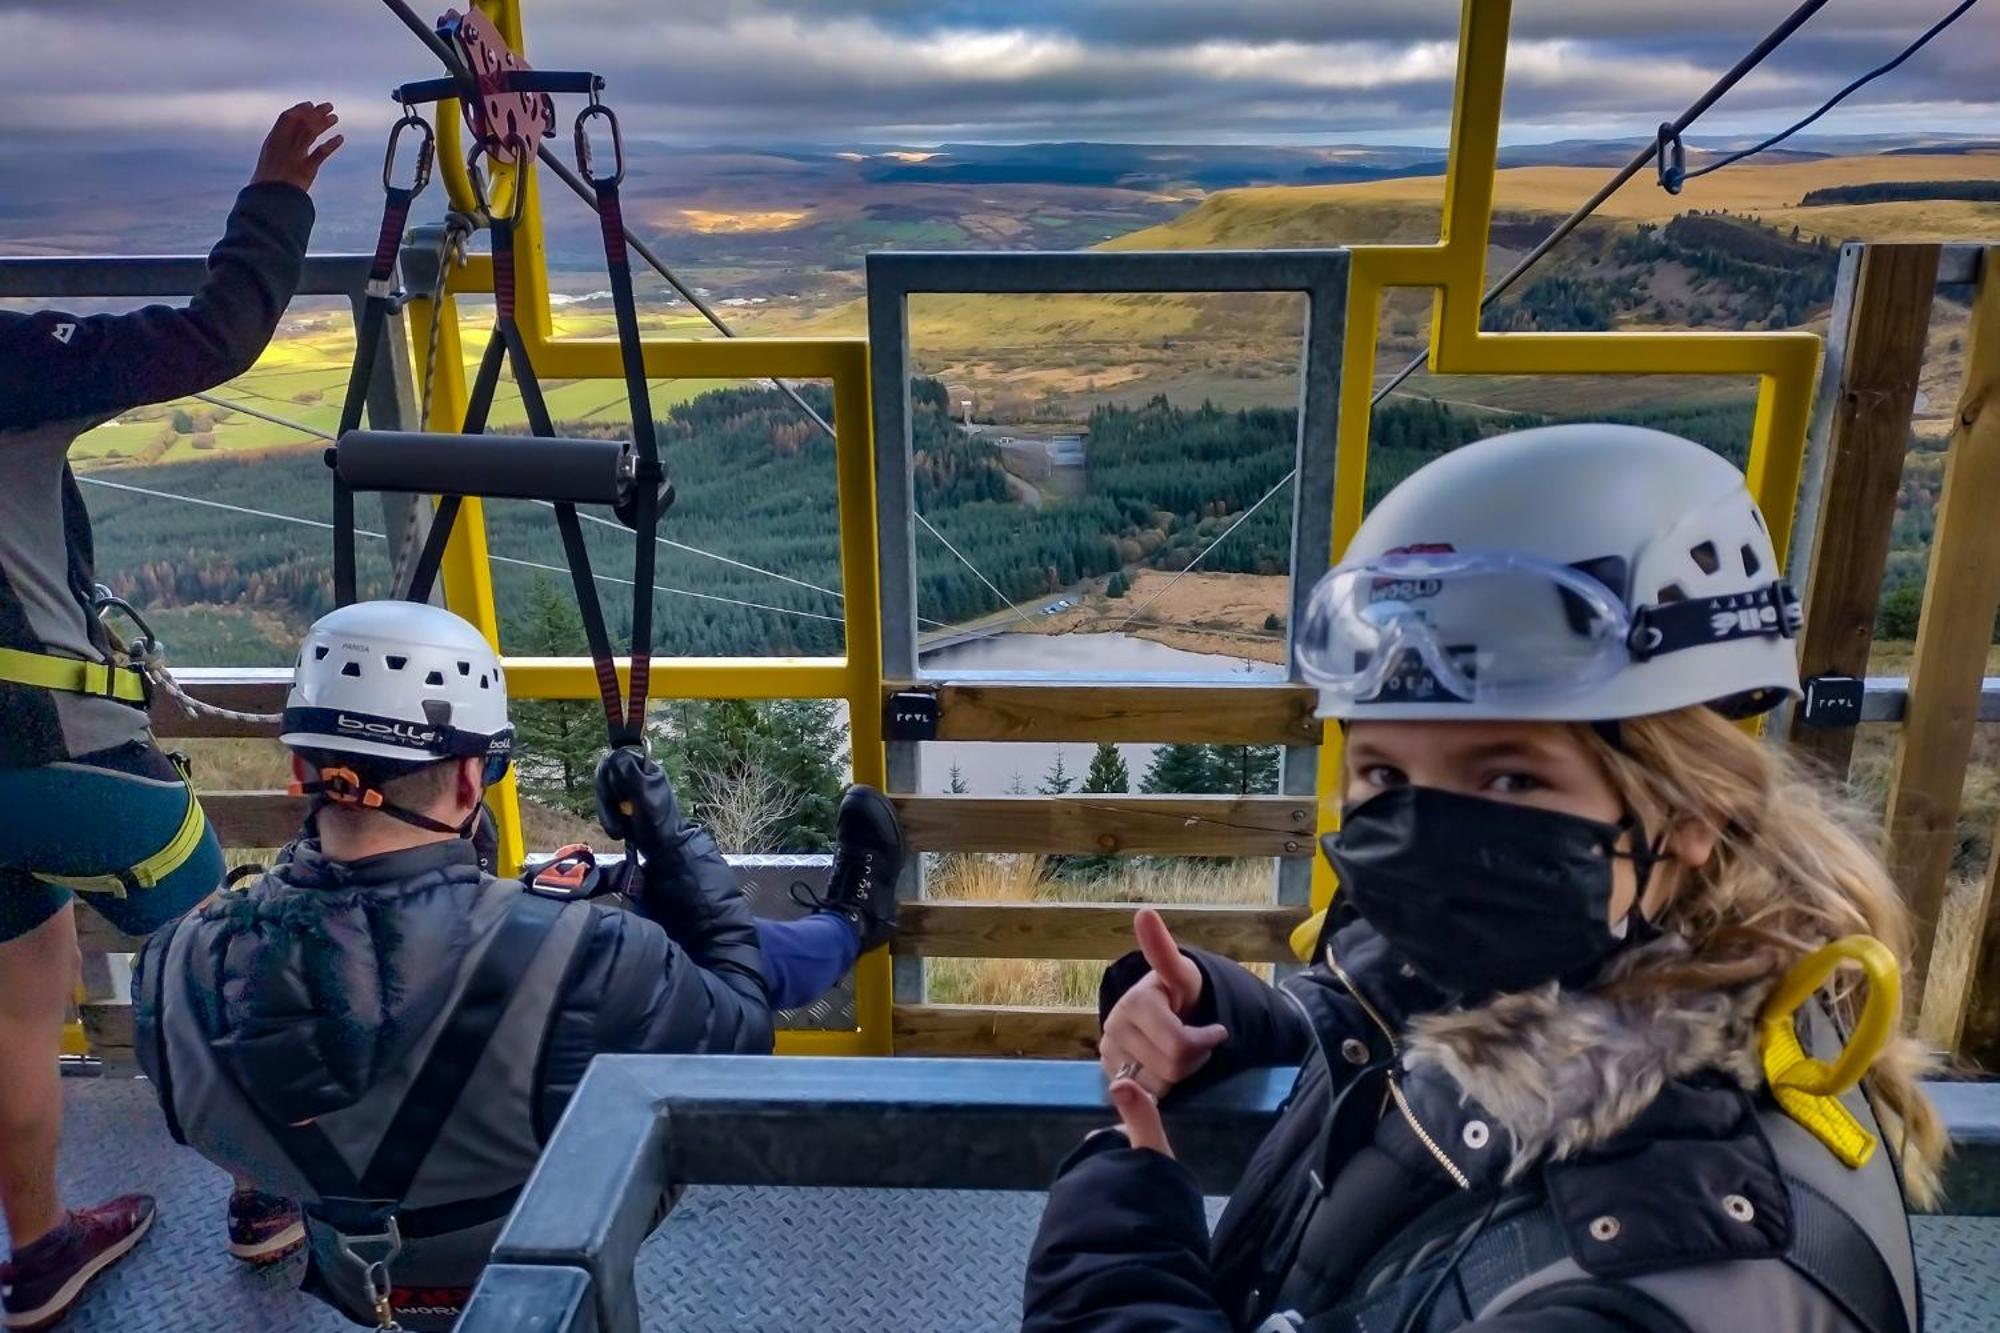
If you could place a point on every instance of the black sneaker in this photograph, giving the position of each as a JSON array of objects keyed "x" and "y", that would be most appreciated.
[
  {"x": 866, "y": 865},
  {"x": 263, "y": 1228},
  {"x": 43, "y": 1281}
]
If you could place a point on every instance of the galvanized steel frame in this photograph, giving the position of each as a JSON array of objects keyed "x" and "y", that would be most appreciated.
[{"x": 1318, "y": 275}]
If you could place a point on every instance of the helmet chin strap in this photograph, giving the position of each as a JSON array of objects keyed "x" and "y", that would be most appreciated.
[{"x": 344, "y": 787}]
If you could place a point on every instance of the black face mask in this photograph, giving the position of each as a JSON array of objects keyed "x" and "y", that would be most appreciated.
[{"x": 1483, "y": 896}]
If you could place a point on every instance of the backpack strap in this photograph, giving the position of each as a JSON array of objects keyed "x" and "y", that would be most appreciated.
[{"x": 1827, "y": 1247}]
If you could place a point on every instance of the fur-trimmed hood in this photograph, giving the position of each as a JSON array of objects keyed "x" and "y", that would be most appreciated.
[{"x": 1563, "y": 1071}]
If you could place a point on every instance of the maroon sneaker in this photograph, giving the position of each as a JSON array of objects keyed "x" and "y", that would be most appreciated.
[
  {"x": 42, "y": 1282},
  {"x": 263, "y": 1228}
]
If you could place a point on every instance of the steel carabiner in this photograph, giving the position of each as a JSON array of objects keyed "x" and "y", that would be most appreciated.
[
  {"x": 594, "y": 111},
  {"x": 1672, "y": 157},
  {"x": 478, "y": 181},
  {"x": 426, "y": 151}
]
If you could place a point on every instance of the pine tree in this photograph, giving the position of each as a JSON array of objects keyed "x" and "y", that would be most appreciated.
[
  {"x": 1017, "y": 787},
  {"x": 557, "y": 741},
  {"x": 1107, "y": 771},
  {"x": 1058, "y": 780},
  {"x": 1119, "y": 584},
  {"x": 1246, "y": 770},
  {"x": 713, "y": 749},
  {"x": 1179, "y": 768},
  {"x": 957, "y": 786}
]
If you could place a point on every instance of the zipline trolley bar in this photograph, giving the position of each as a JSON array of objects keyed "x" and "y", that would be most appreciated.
[{"x": 509, "y": 109}]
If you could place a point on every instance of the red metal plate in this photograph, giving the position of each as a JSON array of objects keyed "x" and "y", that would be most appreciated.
[{"x": 502, "y": 121}]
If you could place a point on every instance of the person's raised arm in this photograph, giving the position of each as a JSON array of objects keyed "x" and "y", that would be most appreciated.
[{"x": 61, "y": 367}]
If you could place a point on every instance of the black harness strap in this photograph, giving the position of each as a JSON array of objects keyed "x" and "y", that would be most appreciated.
[
  {"x": 374, "y": 314},
  {"x": 592, "y": 612},
  {"x": 649, "y": 475},
  {"x": 459, "y": 1047}
]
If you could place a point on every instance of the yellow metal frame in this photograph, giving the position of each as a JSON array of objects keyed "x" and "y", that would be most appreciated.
[
  {"x": 1454, "y": 267},
  {"x": 468, "y": 579}
]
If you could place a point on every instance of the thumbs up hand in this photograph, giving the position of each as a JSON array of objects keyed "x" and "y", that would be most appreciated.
[{"x": 1145, "y": 1041}]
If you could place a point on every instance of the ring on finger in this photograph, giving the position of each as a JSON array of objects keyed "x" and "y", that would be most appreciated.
[{"x": 1129, "y": 1069}]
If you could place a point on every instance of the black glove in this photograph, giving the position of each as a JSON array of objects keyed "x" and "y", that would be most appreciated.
[{"x": 635, "y": 803}]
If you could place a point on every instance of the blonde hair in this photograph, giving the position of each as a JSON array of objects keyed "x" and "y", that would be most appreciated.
[{"x": 1788, "y": 874}]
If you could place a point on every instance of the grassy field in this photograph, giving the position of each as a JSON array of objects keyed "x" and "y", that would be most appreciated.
[
  {"x": 302, "y": 377},
  {"x": 1019, "y": 879}
]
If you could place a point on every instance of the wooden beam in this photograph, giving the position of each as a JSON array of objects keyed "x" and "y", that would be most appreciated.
[
  {"x": 1954, "y": 633},
  {"x": 1088, "y": 930},
  {"x": 244, "y": 696},
  {"x": 254, "y": 818},
  {"x": 952, "y": 1029},
  {"x": 108, "y": 1028},
  {"x": 1868, "y": 428},
  {"x": 1970, "y": 1023},
  {"x": 1205, "y": 714},
  {"x": 1111, "y": 824}
]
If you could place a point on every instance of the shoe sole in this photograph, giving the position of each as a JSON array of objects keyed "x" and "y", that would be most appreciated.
[
  {"x": 53, "y": 1312},
  {"x": 280, "y": 1246}
]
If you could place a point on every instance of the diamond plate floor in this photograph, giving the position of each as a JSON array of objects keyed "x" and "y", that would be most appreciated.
[{"x": 877, "y": 1261}]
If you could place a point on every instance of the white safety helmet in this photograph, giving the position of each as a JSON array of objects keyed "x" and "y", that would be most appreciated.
[
  {"x": 399, "y": 681},
  {"x": 1566, "y": 573}
]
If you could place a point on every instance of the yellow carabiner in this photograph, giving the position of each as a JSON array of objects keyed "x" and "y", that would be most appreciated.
[{"x": 1808, "y": 1089}]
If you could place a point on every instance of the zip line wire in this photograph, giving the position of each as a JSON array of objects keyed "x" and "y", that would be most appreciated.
[
  {"x": 497, "y": 559},
  {"x": 1830, "y": 103},
  {"x": 1672, "y": 129}
]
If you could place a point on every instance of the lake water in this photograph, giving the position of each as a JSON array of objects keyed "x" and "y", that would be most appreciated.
[{"x": 992, "y": 769}]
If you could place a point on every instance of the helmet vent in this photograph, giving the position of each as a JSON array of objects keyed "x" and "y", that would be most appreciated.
[
  {"x": 483, "y": 682},
  {"x": 350, "y": 668},
  {"x": 435, "y": 678},
  {"x": 437, "y": 712},
  {"x": 1704, "y": 555},
  {"x": 465, "y": 668},
  {"x": 319, "y": 652},
  {"x": 1673, "y": 592},
  {"x": 396, "y": 663},
  {"x": 1751, "y": 564}
]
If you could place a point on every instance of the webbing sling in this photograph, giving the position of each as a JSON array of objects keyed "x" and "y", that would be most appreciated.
[
  {"x": 375, "y": 309},
  {"x": 71, "y": 675},
  {"x": 624, "y": 714},
  {"x": 149, "y": 872}
]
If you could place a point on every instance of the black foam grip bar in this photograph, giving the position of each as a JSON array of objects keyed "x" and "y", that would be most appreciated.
[{"x": 507, "y": 467}]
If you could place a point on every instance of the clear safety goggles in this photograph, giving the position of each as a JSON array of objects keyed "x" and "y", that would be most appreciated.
[{"x": 1480, "y": 627}]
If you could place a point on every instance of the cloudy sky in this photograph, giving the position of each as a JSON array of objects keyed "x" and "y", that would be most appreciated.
[{"x": 923, "y": 71}]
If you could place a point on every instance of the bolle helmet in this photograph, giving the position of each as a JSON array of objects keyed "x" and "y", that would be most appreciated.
[
  {"x": 395, "y": 685},
  {"x": 1565, "y": 573}
]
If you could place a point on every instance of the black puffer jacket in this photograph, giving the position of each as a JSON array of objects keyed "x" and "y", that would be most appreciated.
[
  {"x": 1619, "y": 1142},
  {"x": 312, "y": 982}
]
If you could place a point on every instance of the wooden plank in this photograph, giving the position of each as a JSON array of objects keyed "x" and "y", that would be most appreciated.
[
  {"x": 254, "y": 818},
  {"x": 108, "y": 1029},
  {"x": 96, "y": 939},
  {"x": 952, "y": 1029},
  {"x": 245, "y": 696},
  {"x": 1955, "y": 630},
  {"x": 1088, "y": 930},
  {"x": 1868, "y": 431},
  {"x": 1111, "y": 824},
  {"x": 1205, "y": 714},
  {"x": 1970, "y": 1023}
]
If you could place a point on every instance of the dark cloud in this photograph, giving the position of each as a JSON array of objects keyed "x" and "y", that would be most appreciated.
[{"x": 876, "y": 70}]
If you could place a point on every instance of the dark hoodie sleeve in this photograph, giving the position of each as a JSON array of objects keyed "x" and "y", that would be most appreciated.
[
  {"x": 1123, "y": 1248},
  {"x": 652, "y": 996},
  {"x": 58, "y": 367},
  {"x": 1264, "y": 1027}
]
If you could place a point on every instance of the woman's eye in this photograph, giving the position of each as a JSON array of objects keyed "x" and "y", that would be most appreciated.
[
  {"x": 1515, "y": 784},
  {"x": 1383, "y": 775}
]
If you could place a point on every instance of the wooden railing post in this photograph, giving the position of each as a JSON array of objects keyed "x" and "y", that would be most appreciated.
[
  {"x": 1969, "y": 1022},
  {"x": 1876, "y": 353},
  {"x": 1954, "y": 633}
]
